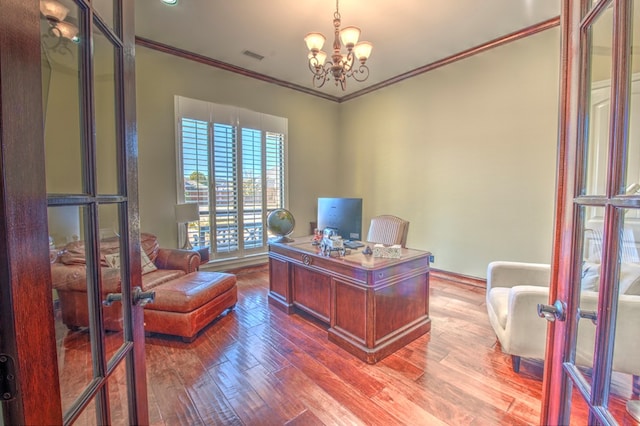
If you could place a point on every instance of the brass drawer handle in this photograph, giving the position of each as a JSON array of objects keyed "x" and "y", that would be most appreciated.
[{"x": 306, "y": 259}]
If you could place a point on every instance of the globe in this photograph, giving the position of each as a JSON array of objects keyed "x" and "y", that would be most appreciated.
[{"x": 280, "y": 223}]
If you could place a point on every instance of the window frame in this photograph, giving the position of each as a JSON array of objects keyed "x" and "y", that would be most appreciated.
[{"x": 243, "y": 122}]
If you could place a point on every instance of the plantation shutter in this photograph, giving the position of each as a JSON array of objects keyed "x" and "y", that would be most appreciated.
[
  {"x": 252, "y": 187},
  {"x": 274, "y": 169},
  {"x": 225, "y": 170},
  {"x": 232, "y": 162}
]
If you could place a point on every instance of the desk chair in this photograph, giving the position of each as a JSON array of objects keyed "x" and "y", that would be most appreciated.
[{"x": 388, "y": 230}]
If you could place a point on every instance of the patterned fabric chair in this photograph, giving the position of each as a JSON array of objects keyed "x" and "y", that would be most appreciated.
[{"x": 388, "y": 230}]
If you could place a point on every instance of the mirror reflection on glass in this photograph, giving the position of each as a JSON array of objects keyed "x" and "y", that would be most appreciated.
[
  {"x": 626, "y": 364},
  {"x": 61, "y": 96},
  {"x": 599, "y": 102},
  {"x": 70, "y": 307}
]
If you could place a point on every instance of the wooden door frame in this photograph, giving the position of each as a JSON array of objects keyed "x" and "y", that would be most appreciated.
[
  {"x": 24, "y": 249},
  {"x": 136, "y": 371},
  {"x": 27, "y": 334},
  {"x": 557, "y": 383}
]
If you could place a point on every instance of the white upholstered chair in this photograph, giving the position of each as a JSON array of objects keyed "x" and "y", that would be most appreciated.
[
  {"x": 388, "y": 230},
  {"x": 515, "y": 289}
]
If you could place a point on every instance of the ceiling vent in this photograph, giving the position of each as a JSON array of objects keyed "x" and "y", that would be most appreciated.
[{"x": 253, "y": 55}]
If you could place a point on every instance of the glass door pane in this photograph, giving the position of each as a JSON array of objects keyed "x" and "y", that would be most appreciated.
[
  {"x": 589, "y": 290},
  {"x": 106, "y": 97},
  {"x": 106, "y": 10},
  {"x": 599, "y": 100},
  {"x": 71, "y": 307},
  {"x": 61, "y": 42},
  {"x": 87, "y": 194},
  {"x": 111, "y": 255},
  {"x": 626, "y": 345}
]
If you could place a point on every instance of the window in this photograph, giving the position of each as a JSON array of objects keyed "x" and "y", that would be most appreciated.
[{"x": 231, "y": 162}]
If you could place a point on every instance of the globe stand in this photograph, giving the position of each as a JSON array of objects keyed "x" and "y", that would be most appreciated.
[
  {"x": 281, "y": 239},
  {"x": 280, "y": 224}
]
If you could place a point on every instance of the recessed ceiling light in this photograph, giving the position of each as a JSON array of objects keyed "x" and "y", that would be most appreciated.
[{"x": 170, "y": 2}]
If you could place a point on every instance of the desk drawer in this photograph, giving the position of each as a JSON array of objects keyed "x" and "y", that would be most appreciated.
[{"x": 311, "y": 291}]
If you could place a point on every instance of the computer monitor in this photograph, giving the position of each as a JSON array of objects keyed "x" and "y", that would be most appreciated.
[{"x": 343, "y": 214}]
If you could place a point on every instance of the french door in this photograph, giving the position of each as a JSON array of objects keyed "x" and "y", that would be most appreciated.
[
  {"x": 593, "y": 349},
  {"x": 69, "y": 167}
]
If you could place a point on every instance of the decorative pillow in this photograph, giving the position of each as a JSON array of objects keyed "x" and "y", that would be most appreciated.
[
  {"x": 147, "y": 264},
  {"x": 73, "y": 254},
  {"x": 113, "y": 260}
]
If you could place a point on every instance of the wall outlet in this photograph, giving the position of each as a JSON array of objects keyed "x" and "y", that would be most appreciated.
[{"x": 432, "y": 258}]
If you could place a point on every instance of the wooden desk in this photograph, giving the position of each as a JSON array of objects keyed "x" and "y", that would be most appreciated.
[{"x": 373, "y": 306}]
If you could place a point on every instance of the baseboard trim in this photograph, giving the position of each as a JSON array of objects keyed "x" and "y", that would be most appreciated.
[{"x": 458, "y": 278}]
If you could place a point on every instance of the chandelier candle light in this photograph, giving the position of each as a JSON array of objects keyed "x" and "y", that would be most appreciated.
[
  {"x": 55, "y": 12},
  {"x": 341, "y": 65}
]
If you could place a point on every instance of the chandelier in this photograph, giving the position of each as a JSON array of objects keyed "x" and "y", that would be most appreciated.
[
  {"x": 341, "y": 66},
  {"x": 60, "y": 30}
]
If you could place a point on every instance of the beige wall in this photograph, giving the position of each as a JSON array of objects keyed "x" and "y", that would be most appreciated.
[
  {"x": 312, "y": 141},
  {"x": 466, "y": 152}
]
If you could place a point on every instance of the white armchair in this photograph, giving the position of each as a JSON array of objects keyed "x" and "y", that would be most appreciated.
[{"x": 514, "y": 290}]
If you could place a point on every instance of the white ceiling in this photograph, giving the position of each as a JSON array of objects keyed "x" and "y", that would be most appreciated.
[{"x": 406, "y": 34}]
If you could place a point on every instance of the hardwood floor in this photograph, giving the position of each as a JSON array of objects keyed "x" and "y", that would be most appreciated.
[{"x": 258, "y": 366}]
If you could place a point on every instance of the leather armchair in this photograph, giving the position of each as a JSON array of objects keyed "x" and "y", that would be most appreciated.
[
  {"x": 388, "y": 230},
  {"x": 514, "y": 290}
]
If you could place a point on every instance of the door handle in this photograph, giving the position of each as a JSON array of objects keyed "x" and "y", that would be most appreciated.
[
  {"x": 552, "y": 312},
  {"x": 143, "y": 297},
  {"x": 592, "y": 315},
  {"x": 112, "y": 297},
  {"x": 140, "y": 297}
]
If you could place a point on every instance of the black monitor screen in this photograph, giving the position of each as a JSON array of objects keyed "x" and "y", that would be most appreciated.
[{"x": 343, "y": 214}]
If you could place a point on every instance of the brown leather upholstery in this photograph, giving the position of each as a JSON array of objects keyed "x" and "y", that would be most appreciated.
[
  {"x": 187, "y": 300},
  {"x": 388, "y": 230},
  {"x": 186, "y": 305},
  {"x": 191, "y": 291}
]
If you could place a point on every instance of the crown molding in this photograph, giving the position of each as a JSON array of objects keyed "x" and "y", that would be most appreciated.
[{"x": 517, "y": 35}]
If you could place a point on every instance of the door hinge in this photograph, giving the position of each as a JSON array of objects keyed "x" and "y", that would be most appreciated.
[{"x": 7, "y": 378}]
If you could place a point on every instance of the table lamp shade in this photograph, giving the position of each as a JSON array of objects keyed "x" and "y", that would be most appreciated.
[{"x": 188, "y": 212}]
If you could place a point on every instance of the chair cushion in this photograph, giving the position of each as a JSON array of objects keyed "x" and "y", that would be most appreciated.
[
  {"x": 191, "y": 291},
  {"x": 629, "y": 274},
  {"x": 633, "y": 289},
  {"x": 160, "y": 276},
  {"x": 499, "y": 301}
]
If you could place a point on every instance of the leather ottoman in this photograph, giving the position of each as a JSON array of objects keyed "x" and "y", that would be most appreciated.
[{"x": 184, "y": 306}]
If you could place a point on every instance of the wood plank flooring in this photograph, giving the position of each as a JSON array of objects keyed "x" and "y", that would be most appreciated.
[{"x": 259, "y": 366}]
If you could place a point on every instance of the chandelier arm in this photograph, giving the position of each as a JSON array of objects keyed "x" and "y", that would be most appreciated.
[
  {"x": 314, "y": 66},
  {"x": 348, "y": 63},
  {"x": 362, "y": 69},
  {"x": 54, "y": 42},
  {"x": 321, "y": 75},
  {"x": 319, "y": 80}
]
